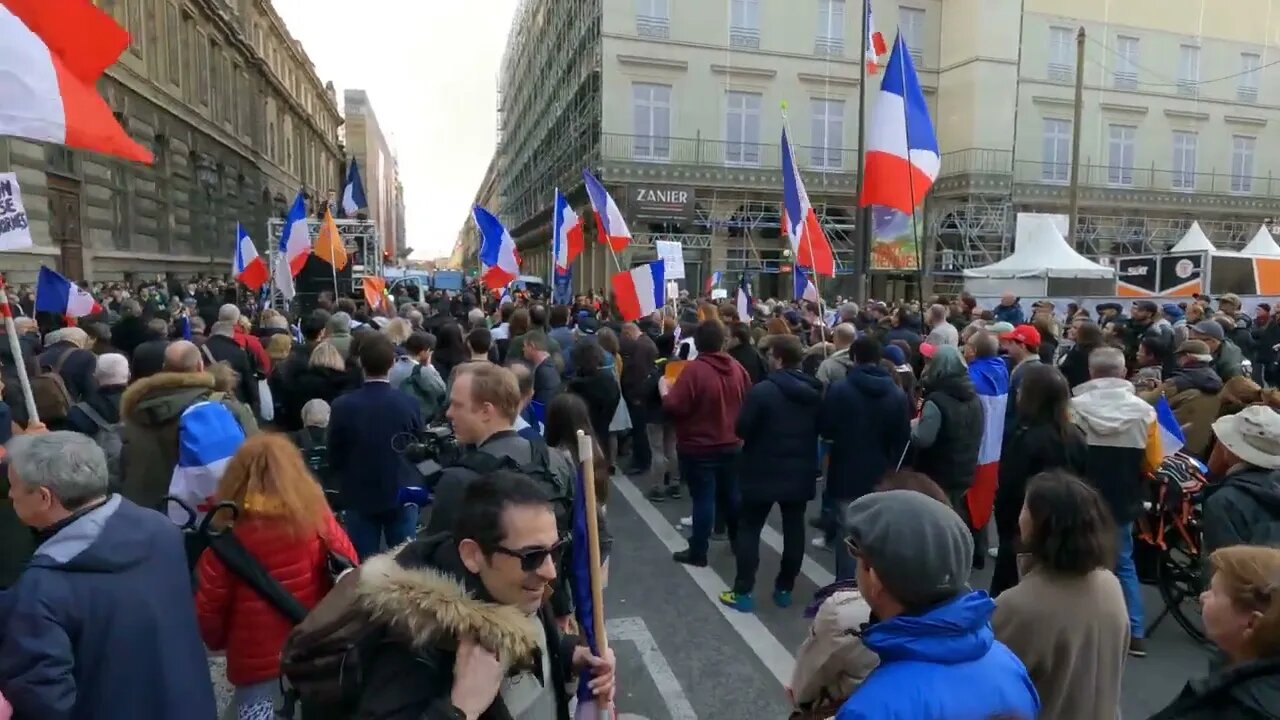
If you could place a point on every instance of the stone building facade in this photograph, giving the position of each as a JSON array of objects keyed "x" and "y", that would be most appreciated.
[
  {"x": 379, "y": 171},
  {"x": 238, "y": 121}
]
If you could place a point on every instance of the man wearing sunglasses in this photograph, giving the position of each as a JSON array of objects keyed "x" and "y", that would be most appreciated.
[
  {"x": 939, "y": 658},
  {"x": 470, "y": 633}
]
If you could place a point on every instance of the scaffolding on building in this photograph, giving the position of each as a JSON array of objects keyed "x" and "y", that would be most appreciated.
[
  {"x": 549, "y": 103},
  {"x": 360, "y": 239}
]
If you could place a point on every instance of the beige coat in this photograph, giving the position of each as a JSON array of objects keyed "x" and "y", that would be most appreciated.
[
  {"x": 832, "y": 661},
  {"x": 1072, "y": 633}
]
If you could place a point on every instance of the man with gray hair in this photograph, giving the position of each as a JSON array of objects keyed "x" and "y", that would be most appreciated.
[
  {"x": 66, "y": 354},
  {"x": 941, "y": 332},
  {"x": 1124, "y": 445},
  {"x": 836, "y": 367},
  {"x": 221, "y": 347},
  {"x": 107, "y": 580}
]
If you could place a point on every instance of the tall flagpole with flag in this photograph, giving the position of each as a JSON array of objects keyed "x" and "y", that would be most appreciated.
[{"x": 588, "y": 572}]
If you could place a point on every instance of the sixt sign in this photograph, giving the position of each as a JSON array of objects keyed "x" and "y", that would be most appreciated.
[{"x": 660, "y": 203}]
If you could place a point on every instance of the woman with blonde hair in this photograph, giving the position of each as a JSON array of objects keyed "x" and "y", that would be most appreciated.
[
  {"x": 1242, "y": 618},
  {"x": 397, "y": 331},
  {"x": 286, "y": 525}
]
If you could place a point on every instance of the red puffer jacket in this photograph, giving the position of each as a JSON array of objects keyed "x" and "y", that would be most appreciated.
[{"x": 235, "y": 618}]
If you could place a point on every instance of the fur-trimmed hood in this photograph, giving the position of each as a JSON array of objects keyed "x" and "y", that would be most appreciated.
[
  {"x": 162, "y": 397},
  {"x": 427, "y": 606}
]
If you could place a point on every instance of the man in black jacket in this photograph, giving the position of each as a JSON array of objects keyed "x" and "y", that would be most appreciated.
[
  {"x": 222, "y": 347},
  {"x": 470, "y": 630},
  {"x": 65, "y": 351}
]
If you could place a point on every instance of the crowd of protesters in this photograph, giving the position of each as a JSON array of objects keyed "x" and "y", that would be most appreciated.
[{"x": 879, "y": 410}]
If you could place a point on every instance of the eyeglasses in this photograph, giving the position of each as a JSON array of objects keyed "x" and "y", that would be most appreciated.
[
  {"x": 851, "y": 546},
  {"x": 532, "y": 558}
]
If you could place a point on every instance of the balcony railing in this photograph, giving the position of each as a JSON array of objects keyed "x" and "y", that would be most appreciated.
[
  {"x": 983, "y": 161},
  {"x": 743, "y": 37},
  {"x": 1125, "y": 80},
  {"x": 1061, "y": 73},
  {"x": 653, "y": 26},
  {"x": 1247, "y": 94},
  {"x": 721, "y": 153},
  {"x": 828, "y": 47}
]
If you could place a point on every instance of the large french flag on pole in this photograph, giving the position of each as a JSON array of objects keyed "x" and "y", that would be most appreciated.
[
  {"x": 353, "y": 199},
  {"x": 52, "y": 54},
  {"x": 808, "y": 243},
  {"x": 609, "y": 220},
  {"x": 247, "y": 266},
  {"x": 639, "y": 291},
  {"x": 875, "y": 44},
  {"x": 568, "y": 236},
  {"x": 295, "y": 239},
  {"x": 991, "y": 379},
  {"x": 497, "y": 250},
  {"x": 902, "y": 158},
  {"x": 58, "y": 295}
]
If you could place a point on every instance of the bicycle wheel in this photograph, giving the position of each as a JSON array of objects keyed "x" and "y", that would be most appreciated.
[{"x": 1179, "y": 579}]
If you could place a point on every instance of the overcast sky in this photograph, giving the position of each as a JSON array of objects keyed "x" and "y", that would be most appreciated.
[{"x": 430, "y": 68}]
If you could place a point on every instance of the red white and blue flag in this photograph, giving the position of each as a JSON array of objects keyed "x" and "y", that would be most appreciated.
[
  {"x": 568, "y": 236},
  {"x": 875, "y": 45},
  {"x": 902, "y": 158},
  {"x": 805, "y": 289},
  {"x": 497, "y": 251},
  {"x": 712, "y": 281},
  {"x": 639, "y": 291},
  {"x": 247, "y": 266},
  {"x": 609, "y": 220},
  {"x": 58, "y": 295},
  {"x": 809, "y": 244},
  {"x": 991, "y": 379}
]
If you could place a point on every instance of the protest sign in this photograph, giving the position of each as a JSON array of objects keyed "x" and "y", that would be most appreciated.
[{"x": 15, "y": 232}]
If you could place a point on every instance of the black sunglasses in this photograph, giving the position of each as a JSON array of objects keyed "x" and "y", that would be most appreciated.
[{"x": 532, "y": 558}]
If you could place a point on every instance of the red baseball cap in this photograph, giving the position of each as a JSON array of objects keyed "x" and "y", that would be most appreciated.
[{"x": 1025, "y": 334}]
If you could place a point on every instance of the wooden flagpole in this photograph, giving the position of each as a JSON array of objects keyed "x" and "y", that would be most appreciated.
[{"x": 585, "y": 456}]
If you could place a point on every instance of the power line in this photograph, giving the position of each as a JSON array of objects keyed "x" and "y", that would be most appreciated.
[{"x": 1161, "y": 75}]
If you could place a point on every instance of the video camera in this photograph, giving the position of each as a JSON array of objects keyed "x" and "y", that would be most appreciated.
[{"x": 433, "y": 449}]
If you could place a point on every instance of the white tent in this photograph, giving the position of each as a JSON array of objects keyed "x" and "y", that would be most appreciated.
[
  {"x": 1041, "y": 255},
  {"x": 1194, "y": 241},
  {"x": 1262, "y": 244}
]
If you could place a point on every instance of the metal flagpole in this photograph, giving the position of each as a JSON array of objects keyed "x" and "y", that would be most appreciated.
[
  {"x": 862, "y": 278},
  {"x": 797, "y": 266},
  {"x": 911, "y": 185}
]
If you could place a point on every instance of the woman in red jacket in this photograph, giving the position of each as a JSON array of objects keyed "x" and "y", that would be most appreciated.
[{"x": 286, "y": 524}]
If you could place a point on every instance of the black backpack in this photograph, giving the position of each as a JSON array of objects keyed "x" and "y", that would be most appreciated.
[{"x": 538, "y": 468}]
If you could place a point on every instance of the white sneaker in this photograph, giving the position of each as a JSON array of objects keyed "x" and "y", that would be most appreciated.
[
  {"x": 993, "y": 552},
  {"x": 686, "y": 521},
  {"x": 819, "y": 542}
]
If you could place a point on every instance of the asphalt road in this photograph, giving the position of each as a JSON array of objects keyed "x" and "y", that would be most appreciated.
[{"x": 683, "y": 656}]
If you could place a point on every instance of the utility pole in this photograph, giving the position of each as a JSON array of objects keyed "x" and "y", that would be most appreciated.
[
  {"x": 1074, "y": 193},
  {"x": 862, "y": 280}
]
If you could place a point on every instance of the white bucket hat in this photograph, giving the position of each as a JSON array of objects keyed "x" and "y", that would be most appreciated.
[{"x": 1253, "y": 435}]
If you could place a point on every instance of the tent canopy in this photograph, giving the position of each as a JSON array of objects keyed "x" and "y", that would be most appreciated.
[
  {"x": 1262, "y": 244},
  {"x": 1194, "y": 241},
  {"x": 1042, "y": 253}
]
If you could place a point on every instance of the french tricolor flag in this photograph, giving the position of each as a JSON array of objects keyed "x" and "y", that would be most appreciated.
[
  {"x": 712, "y": 281},
  {"x": 497, "y": 250},
  {"x": 52, "y": 55},
  {"x": 609, "y": 220},
  {"x": 875, "y": 45},
  {"x": 247, "y": 266},
  {"x": 991, "y": 379},
  {"x": 568, "y": 236},
  {"x": 805, "y": 289},
  {"x": 295, "y": 239},
  {"x": 902, "y": 158},
  {"x": 808, "y": 243},
  {"x": 58, "y": 295},
  {"x": 208, "y": 435},
  {"x": 639, "y": 291},
  {"x": 353, "y": 200},
  {"x": 1169, "y": 429}
]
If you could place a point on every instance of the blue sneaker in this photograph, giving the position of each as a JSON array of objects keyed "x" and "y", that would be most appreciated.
[
  {"x": 782, "y": 598},
  {"x": 742, "y": 603}
]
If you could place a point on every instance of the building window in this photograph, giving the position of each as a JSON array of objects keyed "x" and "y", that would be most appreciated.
[
  {"x": 653, "y": 19},
  {"x": 651, "y": 112},
  {"x": 173, "y": 37},
  {"x": 1126, "y": 72},
  {"x": 828, "y": 134},
  {"x": 1120, "y": 154},
  {"x": 1188, "y": 69},
  {"x": 1250, "y": 70},
  {"x": 742, "y": 128},
  {"x": 1242, "y": 147},
  {"x": 1184, "y": 160},
  {"x": 830, "y": 40},
  {"x": 202, "y": 68},
  {"x": 744, "y": 23},
  {"x": 135, "y": 26},
  {"x": 1062, "y": 55},
  {"x": 1056, "y": 151},
  {"x": 271, "y": 140},
  {"x": 216, "y": 103},
  {"x": 911, "y": 25}
]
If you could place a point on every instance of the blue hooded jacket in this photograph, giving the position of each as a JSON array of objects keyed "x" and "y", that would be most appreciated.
[
  {"x": 102, "y": 624},
  {"x": 943, "y": 665}
]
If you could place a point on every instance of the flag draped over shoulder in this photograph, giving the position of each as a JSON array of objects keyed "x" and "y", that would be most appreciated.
[{"x": 991, "y": 381}]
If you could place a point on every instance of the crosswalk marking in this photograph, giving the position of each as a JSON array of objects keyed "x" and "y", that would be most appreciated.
[{"x": 634, "y": 630}]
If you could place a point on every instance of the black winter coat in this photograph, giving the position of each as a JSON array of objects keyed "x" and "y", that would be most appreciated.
[
  {"x": 1242, "y": 509},
  {"x": 1075, "y": 365},
  {"x": 427, "y": 598},
  {"x": 868, "y": 421},
  {"x": 77, "y": 368},
  {"x": 601, "y": 393},
  {"x": 750, "y": 360},
  {"x": 952, "y": 459},
  {"x": 778, "y": 424},
  {"x": 1029, "y": 451},
  {"x": 1250, "y": 691},
  {"x": 310, "y": 384}
]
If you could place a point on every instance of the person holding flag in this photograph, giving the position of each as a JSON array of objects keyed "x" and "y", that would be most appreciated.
[{"x": 474, "y": 601}]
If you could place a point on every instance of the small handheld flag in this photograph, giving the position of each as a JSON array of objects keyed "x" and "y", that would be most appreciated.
[
  {"x": 639, "y": 291},
  {"x": 609, "y": 221},
  {"x": 58, "y": 295},
  {"x": 567, "y": 234},
  {"x": 1170, "y": 430},
  {"x": 497, "y": 250},
  {"x": 247, "y": 267},
  {"x": 744, "y": 300}
]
